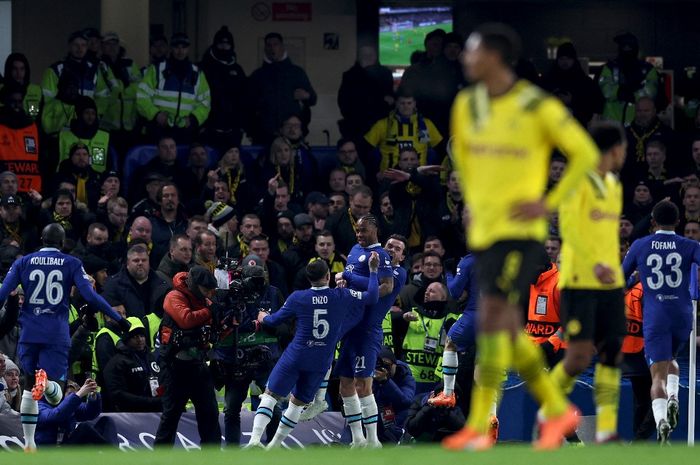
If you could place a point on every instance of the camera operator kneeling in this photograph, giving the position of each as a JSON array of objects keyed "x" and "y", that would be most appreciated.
[{"x": 185, "y": 335}]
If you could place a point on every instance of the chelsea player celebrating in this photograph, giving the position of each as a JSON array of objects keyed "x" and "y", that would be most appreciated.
[
  {"x": 319, "y": 313},
  {"x": 47, "y": 277},
  {"x": 664, "y": 262}
]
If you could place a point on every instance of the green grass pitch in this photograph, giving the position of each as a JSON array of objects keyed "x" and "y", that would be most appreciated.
[
  {"x": 648, "y": 454},
  {"x": 396, "y": 48}
]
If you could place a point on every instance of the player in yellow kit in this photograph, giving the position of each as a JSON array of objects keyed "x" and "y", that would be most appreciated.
[
  {"x": 504, "y": 130},
  {"x": 591, "y": 279}
]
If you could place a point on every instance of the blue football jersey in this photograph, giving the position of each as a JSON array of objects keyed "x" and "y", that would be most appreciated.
[
  {"x": 319, "y": 314},
  {"x": 464, "y": 280},
  {"x": 664, "y": 261},
  {"x": 47, "y": 277}
]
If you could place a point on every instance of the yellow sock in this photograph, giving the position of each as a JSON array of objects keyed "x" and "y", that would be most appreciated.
[
  {"x": 528, "y": 360},
  {"x": 562, "y": 379},
  {"x": 494, "y": 351},
  {"x": 607, "y": 397}
]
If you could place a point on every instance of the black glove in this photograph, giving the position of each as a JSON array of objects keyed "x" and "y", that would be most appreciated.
[{"x": 124, "y": 325}]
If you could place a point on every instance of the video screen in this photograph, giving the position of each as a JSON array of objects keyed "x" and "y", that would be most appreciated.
[{"x": 403, "y": 29}]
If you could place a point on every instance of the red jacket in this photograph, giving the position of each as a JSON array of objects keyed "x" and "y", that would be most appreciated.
[{"x": 183, "y": 307}]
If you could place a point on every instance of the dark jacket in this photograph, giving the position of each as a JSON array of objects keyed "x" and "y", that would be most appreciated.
[
  {"x": 416, "y": 198},
  {"x": 167, "y": 268},
  {"x": 137, "y": 185},
  {"x": 295, "y": 258},
  {"x": 163, "y": 231},
  {"x": 122, "y": 289},
  {"x": 361, "y": 98},
  {"x": 396, "y": 392},
  {"x": 272, "y": 89},
  {"x": 127, "y": 378},
  {"x": 431, "y": 424},
  {"x": 64, "y": 416},
  {"x": 340, "y": 226},
  {"x": 228, "y": 86}
]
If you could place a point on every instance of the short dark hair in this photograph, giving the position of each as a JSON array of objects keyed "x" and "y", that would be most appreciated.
[
  {"x": 502, "y": 39},
  {"x": 430, "y": 253},
  {"x": 199, "y": 238},
  {"x": 344, "y": 140},
  {"x": 656, "y": 143},
  {"x": 197, "y": 219},
  {"x": 431, "y": 239},
  {"x": 369, "y": 218},
  {"x": 274, "y": 35},
  {"x": 554, "y": 238},
  {"x": 401, "y": 238},
  {"x": 159, "y": 195},
  {"x": 607, "y": 134},
  {"x": 94, "y": 226},
  {"x": 316, "y": 270},
  {"x": 417, "y": 257},
  {"x": 363, "y": 190},
  {"x": 177, "y": 237},
  {"x": 665, "y": 213},
  {"x": 139, "y": 247},
  {"x": 260, "y": 237}
]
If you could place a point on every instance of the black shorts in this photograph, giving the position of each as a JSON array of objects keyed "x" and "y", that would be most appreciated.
[
  {"x": 593, "y": 314},
  {"x": 507, "y": 269}
]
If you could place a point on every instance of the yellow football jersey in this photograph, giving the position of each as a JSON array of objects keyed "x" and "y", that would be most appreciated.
[
  {"x": 589, "y": 221},
  {"x": 501, "y": 148}
]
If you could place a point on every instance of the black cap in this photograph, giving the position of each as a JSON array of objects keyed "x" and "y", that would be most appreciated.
[
  {"x": 93, "y": 264},
  {"x": 77, "y": 35},
  {"x": 179, "y": 38},
  {"x": 302, "y": 219},
  {"x": 386, "y": 353},
  {"x": 223, "y": 35},
  {"x": 153, "y": 176},
  {"x": 286, "y": 214},
  {"x": 109, "y": 174},
  {"x": 9, "y": 200},
  {"x": 626, "y": 39},
  {"x": 317, "y": 197},
  {"x": 202, "y": 277}
]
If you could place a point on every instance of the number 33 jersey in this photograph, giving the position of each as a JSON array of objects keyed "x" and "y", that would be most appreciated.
[{"x": 664, "y": 262}]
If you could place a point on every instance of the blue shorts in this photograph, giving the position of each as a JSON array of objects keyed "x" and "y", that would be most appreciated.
[
  {"x": 52, "y": 358},
  {"x": 286, "y": 377},
  {"x": 463, "y": 331},
  {"x": 359, "y": 352},
  {"x": 664, "y": 337}
]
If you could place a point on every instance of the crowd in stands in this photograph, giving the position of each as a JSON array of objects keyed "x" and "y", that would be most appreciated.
[{"x": 72, "y": 152}]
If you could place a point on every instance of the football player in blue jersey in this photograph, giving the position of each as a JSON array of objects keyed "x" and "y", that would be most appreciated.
[
  {"x": 319, "y": 314},
  {"x": 664, "y": 261},
  {"x": 47, "y": 277}
]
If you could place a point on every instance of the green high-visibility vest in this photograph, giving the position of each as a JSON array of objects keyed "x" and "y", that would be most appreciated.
[
  {"x": 98, "y": 147},
  {"x": 115, "y": 338},
  {"x": 153, "y": 323},
  {"x": 388, "y": 340},
  {"x": 423, "y": 346}
]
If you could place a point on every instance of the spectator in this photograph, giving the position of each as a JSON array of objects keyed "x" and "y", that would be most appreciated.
[
  {"x": 110, "y": 187},
  {"x": 94, "y": 40},
  {"x": 64, "y": 212},
  {"x": 241, "y": 188},
  {"x": 433, "y": 81},
  {"x": 403, "y": 128},
  {"x": 626, "y": 79},
  {"x": 284, "y": 236},
  {"x": 296, "y": 167},
  {"x": 14, "y": 227},
  {"x": 342, "y": 224},
  {"x": 434, "y": 244},
  {"x": 626, "y": 228},
  {"x": 104, "y": 344},
  {"x": 178, "y": 258},
  {"x": 20, "y": 148},
  {"x": 366, "y": 94},
  {"x": 119, "y": 117},
  {"x": 205, "y": 250},
  {"x": 165, "y": 164},
  {"x": 75, "y": 418},
  {"x": 77, "y": 170},
  {"x": 275, "y": 201},
  {"x": 223, "y": 222},
  {"x": 348, "y": 159},
  {"x": 317, "y": 208},
  {"x": 568, "y": 81},
  {"x": 297, "y": 256},
  {"x": 173, "y": 96},
  {"x": 553, "y": 247},
  {"x": 431, "y": 271},
  {"x": 452, "y": 217},
  {"x": 196, "y": 225},
  {"x": 250, "y": 227},
  {"x": 170, "y": 219},
  {"x": 158, "y": 49},
  {"x": 692, "y": 230},
  {"x": 228, "y": 84},
  {"x": 427, "y": 423},
  {"x": 336, "y": 181},
  {"x": 394, "y": 389},
  {"x": 96, "y": 244},
  {"x": 13, "y": 392},
  {"x": 691, "y": 207},
  {"x": 557, "y": 165},
  {"x": 352, "y": 182},
  {"x": 278, "y": 89},
  {"x": 136, "y": 287},
  {"x": 17, "y": 71},
  {"x": 337, "y": 201},
  {"x": 117, "y": 213},
  {"x": 658, "y": 176},
  {"x": 196, "y": 177},
  {"x": 324, "y": 246},
  {"x": 260, "y": 246},
  {"x": 131, "y": 375},
  {"x": 58, "y": 112},
  {"x": 641, "y": 205}
]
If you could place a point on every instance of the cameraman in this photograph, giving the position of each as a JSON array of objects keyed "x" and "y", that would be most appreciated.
[
  {"x": 245, "y": 352},
  {"x": 185, "y": 334},
  {"x": 394, "y": 388}
]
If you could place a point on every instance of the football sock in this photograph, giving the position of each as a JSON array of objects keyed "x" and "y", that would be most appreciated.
[
  {"x": 529, "y": 362},
  {"x": 449, "y": 370},
  {"x": 370, "y": 417},
  {"x": 353, "y": 415},
  {"x": 321, "y": 393},
  {"x": 607, "y": 398},
  {"x": 53, "y": 393},
  {"x": 263, "y": 415},
  {"x": 495, "y": 351},
  {"x": 658, "y": 406},
  {"x": 29, "y": 413},
  {"x": 672, "y": 385},
  {"x": 562, "y": 379},
  {"x": 289, "y": 420}
]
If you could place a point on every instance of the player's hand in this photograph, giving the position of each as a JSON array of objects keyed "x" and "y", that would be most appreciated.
[
  {"x": 373, "y": 262},
  {"x": 528, "y": 211},
  {"x": 261, "y": 316},
  {"x": 410, "y": 316},
  {"x": 604, "y": 273},
  {"x": 339, "y": 278}
]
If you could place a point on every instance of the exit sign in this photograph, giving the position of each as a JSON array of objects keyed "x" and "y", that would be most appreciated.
[{"x": 291, "y": 11}]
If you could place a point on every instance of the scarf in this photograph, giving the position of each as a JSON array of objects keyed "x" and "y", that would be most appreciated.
[
  {"x": 64, "y": 221},
  {"x": 353, "y": 221},
  {"x": 245, "y": 248},
  {"x": 13, "y": 232},
  {"x": 641, "y": 140},
  {"x": 233, "y": 182},
  {"x": 291, "y": 180},
  {"x": 149, "y": 245},
  {"x": 81, "y": 188}
]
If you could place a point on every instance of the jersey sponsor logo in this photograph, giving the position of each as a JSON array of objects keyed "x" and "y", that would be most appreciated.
[
  {"x": 137, "y": 370},
  {"x": 665, "y": 297},
  {"x": 497, "y": 150},
  {"x": 319, "y": 299},
  {"x": 52, "y": 261},
  {"x": 599, "y": 215},
  {"x": 658, "y": 245},
  {"x": 311, "y": 343}
]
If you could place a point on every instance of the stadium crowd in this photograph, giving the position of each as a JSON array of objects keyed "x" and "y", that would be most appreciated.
[{"x": 146, "y": 172}]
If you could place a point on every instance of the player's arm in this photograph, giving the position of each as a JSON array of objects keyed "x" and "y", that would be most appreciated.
[
  {"x": 91, "y": 297},
  {"x": 458, "y": 283},
  {"x": 285, "y": 313},
  {"x": 629, "y": 264},
  {"x": 10, "y": 283},
  {"x": 372, "y": 295},
  {"x": 360, "y": 283},
  {"x": 572, "y": 140}
]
